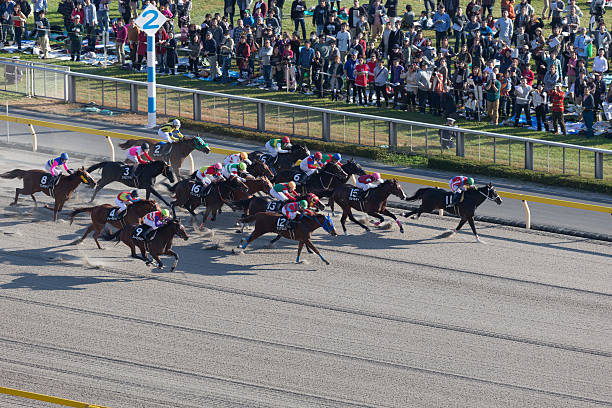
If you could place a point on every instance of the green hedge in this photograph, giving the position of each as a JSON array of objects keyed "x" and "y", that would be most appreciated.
[{"x": 449, "y": 163}]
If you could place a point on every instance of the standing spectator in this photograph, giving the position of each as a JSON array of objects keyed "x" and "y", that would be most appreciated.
[
  {"x": 161, "y": 38},
  {"x": 588, "y": 114},
  {"x": 259, "y": 8},
  {"x": 336, "y": 70},
  {"x": 121, "y": 38},
  {"x": 39, "y": 5},
  {"x": 391, "y": 6},
  {"x": 344, "y": 40},
  {"x": 90, "y": 21},
  {"x": 492, "y": 95},
  {"x": 603, "y": 39},
  {"x": 442, "y": 24},
  {"x": 76, "y": 39},
  {"x": 133, "y": 34},
  {"x": 459, "y": 28},
  {"x": 43, "y": 34},
  {"x": 171, "y": 55},
  {"x": 103, "y": 19},
  {"x": 487, "y": 7},
  {"x": 349, "y": 73},
  {"x": 141, "y": 49},
  {"x": 361, "y": 80},
  {"x": 377, "y": 18},
  {"x": 209, "y": 51},
  {"x": 65, "y": 8},
  {"x": 504, "y": 27},
  {"x": 19, "y": 20},
  {"x": 540, "y": 103},
  {"x": 297, "y": 15},
  {"x": 551, "y": 78},
  {"x": 304, "y": 63},
  {"x": 557, "y": 98},
  {"x": 6, "y": 17},
  {"x": 265, "y": 53},
  {"x": 229, "y": 9},
  {"x": 600, "y": 63},
  {"x": 396, "y": 37},
  {"x": 26, "y": 9},
  {"x": 522, "y": 92},
  {"x": 320, "y": 15},
  {"x": 397, "y": 80},
  {"x": 436, "y": 91},
  {"x": 354, "y": 16},
  {"x": 423, "y": 82},
  {"x": 381, "y": 73},
  {"x": 225, "y": 51},
  {"x": 581, "y": 44},
  {"x": 194, "y": 55}
]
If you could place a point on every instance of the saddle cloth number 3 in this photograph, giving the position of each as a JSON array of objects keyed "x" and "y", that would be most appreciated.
[{"x": 126, "y": 171}]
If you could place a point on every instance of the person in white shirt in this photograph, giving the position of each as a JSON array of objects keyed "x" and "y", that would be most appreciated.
[
  {"x": 343, "y": 39},
  {"x": 600, "y": 63}
]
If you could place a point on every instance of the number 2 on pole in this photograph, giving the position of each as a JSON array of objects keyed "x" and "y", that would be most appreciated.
[{"x": 149, "y": 24}]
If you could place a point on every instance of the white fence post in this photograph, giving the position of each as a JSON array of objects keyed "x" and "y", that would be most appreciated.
[
  {"x": 34, "y": 138},
  {"x": 112, "y": 148},
  {"x": 527, "y": 215}
]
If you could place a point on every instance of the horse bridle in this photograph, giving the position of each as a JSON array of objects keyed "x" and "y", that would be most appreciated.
[
  {"x": 487, "y": 195},
  {"x": 330, "y": 179}
]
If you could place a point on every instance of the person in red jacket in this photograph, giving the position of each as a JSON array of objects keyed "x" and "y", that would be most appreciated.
[
  {"x": 361, "y": 79},
  {"x": 141, "y": 50},
  {"x": 371, "y": 65},
  {"x": 557, "y": 97}
]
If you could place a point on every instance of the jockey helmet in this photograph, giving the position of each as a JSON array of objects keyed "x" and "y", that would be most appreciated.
[
  {"x": 217, "y": 166},
  {"x": 144, "y": 146},
  {"x": 242, "y": 166},
  {"x": 469, "y": 181},
  {"x": 176, "y": 123},
  {"x": 244, "y": 155},
  {"x": 318, "y": 156},
  {"x": 376, "y": 176},
  {"x": 165, "y": 213},
  {"x": 64, "y": 156},
  {"x": 337, "y": 156},
  {"x": 291, "y": 185},
  {"x": 285, "y": 140},
  {"x": 303, "y": 204},
  {"x": 134, "y": 193}
]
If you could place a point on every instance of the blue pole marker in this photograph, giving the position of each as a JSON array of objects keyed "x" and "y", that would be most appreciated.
[{"x": 152, "y": 115}]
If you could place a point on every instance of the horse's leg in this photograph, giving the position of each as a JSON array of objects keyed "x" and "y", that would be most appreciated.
[
  {"x": 316, "y": 251},
  {"x": 17, "y": 192},
  {"x": 87, "y": 231},
  {"x": 407, "y": 214},
  {"x": 96, "y": 235},
  {"x": 300, "y": 246},
  {"x": 150, "y": 189},
  {"x": 471, "y": 221},
  {"x": 34, "y": 199},
  {"x": 376, "y": 215},
  {"x": 343, "y": 220},
  {"x": 172, "y": 204},
  {"x": 278, "y": 236},
  {"x": 145, "y": 258},
  {"x": 352, "y": 218},
  {"x": 176, "y": 259},
  {"x": 99, "y": 186},
  {"x": 214, "y": 213},
  {"x": 204, "y": 217},
  {"x": 398, "y": 222},
  {"x": 254, "y": 235},
  {"x": 160, "y": 265}
]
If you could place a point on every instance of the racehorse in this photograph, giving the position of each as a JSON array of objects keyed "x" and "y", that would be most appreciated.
[
  {"x": 255, "y": 185},
  {"x": 61, "y": 191},
  {"x": 161, "y": 244},
  {"x": 350, "y": 167},
  {"x": 435, "y": 199},
  {"x": 302, "y": 231},
  {"x": 144, "y": 176},
  {"x": 373, "y": 202},
  {"x": 100, "y": 216},
  {"x": 219, "y": 193},
  {"x": 256, "y": 205},
  {"x": 282, "y": 161},
  {"x": 258, "y": 168},
  {"x": 173, "y": 153}
]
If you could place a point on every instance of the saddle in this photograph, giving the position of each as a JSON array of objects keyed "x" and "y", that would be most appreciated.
[
  {"x": 161, "y": 149},
  {"x": 275, "y": 206},
  {"x": 115, "y": 215},
  {"x": 198, "y": 190},
  {"x": 144, "y": 233}
]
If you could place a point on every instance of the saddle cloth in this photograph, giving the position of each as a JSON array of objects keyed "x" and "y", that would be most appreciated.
[
  {"x": 451, "y": 199},
  {"x": 48, "y": 181},
  {"x": 275, "y": 206},
  {"x": 143, "y": 233},
  {"x": 127, "y": 172},
  {"x": 283, "y": 224},
  {"x": 162, "y": 149},
  {"x": 115, "y": 215},
  {"x": 357, "y": 194},
  {"x": 299, "y": 178},
  {"x": 198, "y": 190}
]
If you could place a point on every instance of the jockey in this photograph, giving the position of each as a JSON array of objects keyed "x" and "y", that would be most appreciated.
[
  {"x": 237, "y": 158},
  {"x": 311, "y": 164},
  {"x": 135, "y": 154},
  {"x": 52, "y": 165},
  {"x": 293, "y": 209},
  {"x": 124, "y": 198},
  {"x": 276, "y": 146},
  {"x": 155, "y": 219},
  {"x": 458, "y": 185},
  {"x": 170, "y": 131},
  {"x": 209, "y": 174},
  {"x": 368, "y": 181},
  {"x": 284, "y": 191},
  {"x": 334, "y": 158},
  {"x": 234, "y": 169}
]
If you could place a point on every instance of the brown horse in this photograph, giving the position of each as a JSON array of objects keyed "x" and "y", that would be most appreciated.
[
  {"x": 32, "y": 180},
  {"x": 374, "y": 204},
  {"x": 302, "y": 231},
  {"x": 258, "y": 168},
  {"x": 435, "y": 199},
  {"x": 161, "y": 244},
  {"x": 255, "y": 185},
  {"x": 99, "y": 215},
  {"x": 220, "y": 193},
  {"x": 178, "y": 150}
]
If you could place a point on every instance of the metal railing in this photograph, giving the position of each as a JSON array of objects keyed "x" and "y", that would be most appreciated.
[{"x": 313, "y": 122}]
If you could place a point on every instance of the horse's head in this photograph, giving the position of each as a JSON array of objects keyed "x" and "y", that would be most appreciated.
[
  {"x": 85, "y": 177},
  {"x": 396, "y": 189},
  {"x": 336, "y": 170},
  {"x": 148, "y": 205},
  {"x": 352, "y": 167},
  {"x": 259, "y": 168},
  {"x": 492, "y": 194},
  {"x": 168, "y": 172},
  {"x": 178, "y": 228},
  {"x": 301, "y": 151},
  {"x": 200, "y": 144},
  {"x": 236, "y": 184},
  {"x": 265, "y": 183},
  {"x": 327, "y": 223}
]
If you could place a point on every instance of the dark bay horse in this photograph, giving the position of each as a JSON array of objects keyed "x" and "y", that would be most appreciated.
[
  {"x": 161, "y": 244},
  {"x": 374, "y": 204},
  {"x": 258, "y": 168},
  {"x": 255, "y": 185},
  {"x": 324, "y": 181},
  {"x": 302, "y": 232},
  {"x": 178, "y": 150},
  {"x": 435, "y": 199},
  {"x": 99, "y": 215},
  {"x": 61, "y": 192},
  {"x": 282, "y": 161},
  {"x": 220, "y": 193},
  {"x": 144, "y": 176},
  {"x": 350, "y": 167}
]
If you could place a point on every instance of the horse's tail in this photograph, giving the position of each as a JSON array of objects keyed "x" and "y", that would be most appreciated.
[
  {"x": 78, "y": 211},
  {"x": 129, "y": 143},
  {"x": 417, "y": 195},
  {"x": 241, "y": 204},
  {"x": 248, "y": 219},
  {"x": 17, "y": 173},
  {"x": 96, "y": 166}
]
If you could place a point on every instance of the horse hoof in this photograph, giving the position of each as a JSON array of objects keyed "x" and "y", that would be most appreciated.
[
  {"x": 480, "y": 240},
  {"x": 327, "y": 263},
  {"x": 367, "y": 229},
  {"x": 402, "y": 231}
]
